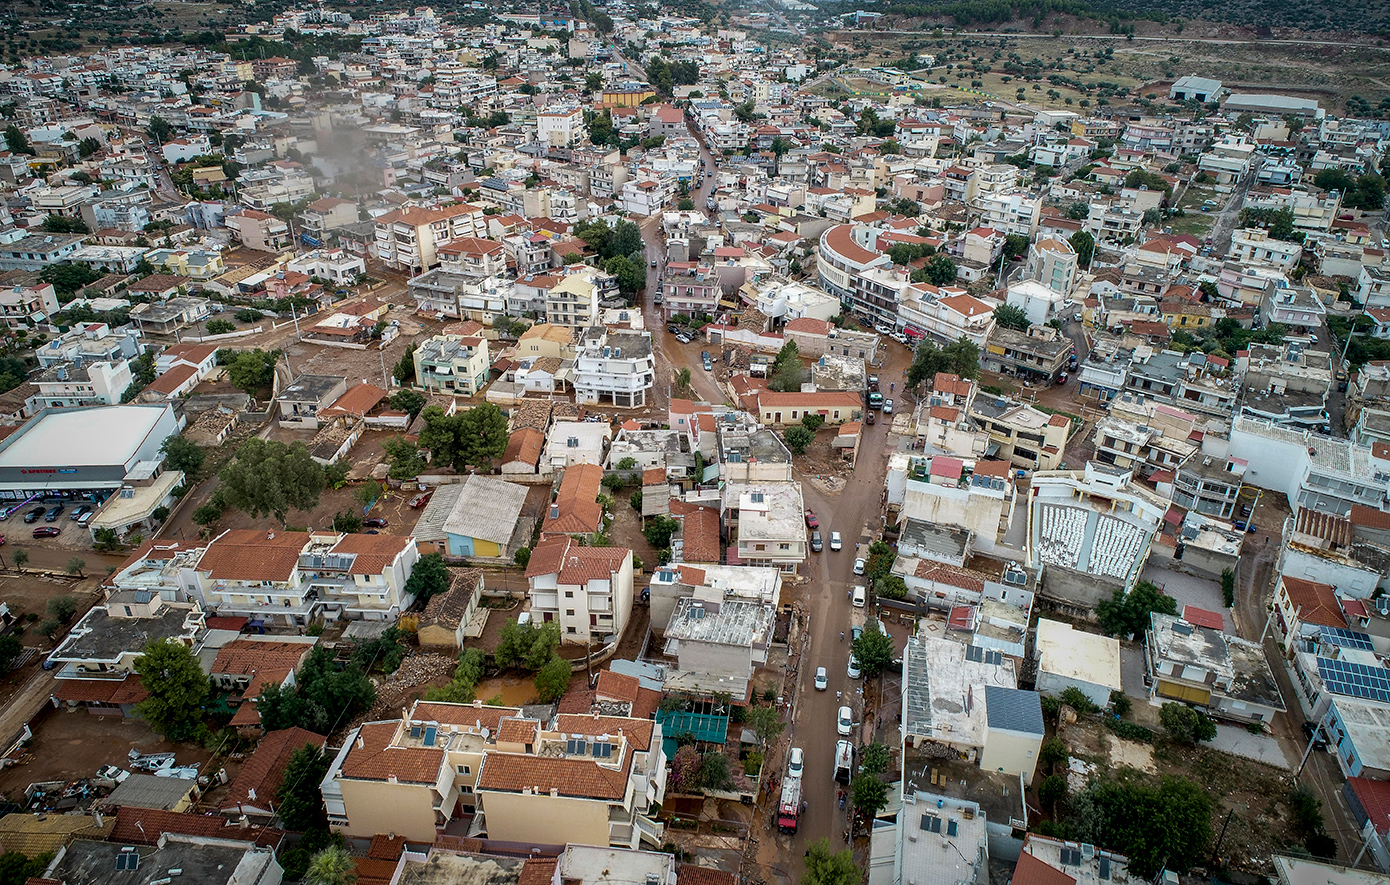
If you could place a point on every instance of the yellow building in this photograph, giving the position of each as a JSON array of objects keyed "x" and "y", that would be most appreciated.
[
  {"x": 547, "y": 340},
  {"x": 587, "y": 779},
  {"x": 628, "y": 98}
]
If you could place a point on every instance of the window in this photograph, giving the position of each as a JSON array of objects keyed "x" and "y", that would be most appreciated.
[
  {"x": 464, "y": 769},
  {"x": 569, "y": 612}
]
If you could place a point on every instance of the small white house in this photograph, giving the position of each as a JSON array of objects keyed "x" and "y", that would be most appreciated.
[{"x": 1069, "y": 658}]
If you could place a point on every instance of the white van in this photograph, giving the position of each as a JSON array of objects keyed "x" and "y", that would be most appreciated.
[{"x": 860, "y": 596}]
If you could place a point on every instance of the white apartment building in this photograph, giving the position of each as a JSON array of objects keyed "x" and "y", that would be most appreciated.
[
  {"x": 1011, "y": 213},
  {"x": 1052, "y": 262},
  {"x": 1256, "y": 246},
  {"x": 561, "y": 127},
  {"x": 69, "y": 385},
  {"x": 946, "y": 314},
  {"x": 615, "y": 367},
  {"x": 766, "y": 523},
  {"x": 587, "y": 591},
  {"x": 408, "y": 239}
]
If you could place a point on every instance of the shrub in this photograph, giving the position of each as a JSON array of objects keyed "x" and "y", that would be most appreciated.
[
  {"x": 1120, "y": 702},
  {"x": 1076, "y": 699}
]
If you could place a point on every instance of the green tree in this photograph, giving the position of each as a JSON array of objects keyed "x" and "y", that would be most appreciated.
[
  {"x": 176, "y": 684},
  {"x": 798, "y": 439},
  {"x": 1015, "y": 246},
  {"x": 406, "y": 460},
  {"x": 321, "y": 699},
  {"x": 869, "y": 794},
  {"x": 347, "y": 521},
  {"x": 75, "y": 566},
  {"x": 301, "y": 802},
  {"x": 58, "y": 224},
  {"x": 1184, "y": 724},
  {"x": 270, "y": 478},
  {"x": 16, "y": 868},
  {"x": 220, "y": 326},
  {"x": 1052, "y": 790},
  {"x": 182, "y": 454},
  {"x": 67, "y": 279},
  {"x": 20, "y": 556},
  {"x": 17, "y": 141},
  {"x": 825, "y": 868},
  {"x": 593, "y": 82},
  {"x": 960, "y": 357},
  {"x": 331, "y": 866},
  {"x": 627, "y": 238},
  {"x": 766, "y": 722},
  {"x": 62, "y": 608},
  {"x": 658, "y": 531},
  {"x": 941, "y": 270},
  {"x": 209, "y": 513},
  {"x": 1128, "y": 615},
  {"x": 890, "y": 587},
  {"x": 408, "y": 401},
  {"x": 786, "y": 371},
  {"x": 1084, "y": 245},
  {"x": 553, "y": 679},
  {"x": 1011, "y": 317},
  {"x": 1052, "y": 751},
  {"x": 429, "y": 577},
  {"x": 1167, "y": 824},
  {"x": 874, "y": 650},
  {"x": 159, "y": 129},
  {"x": 482, "y": 435},
  {"x": 812, "y": 422},
  {"x": 874, "y": 758},
  {"x": 10, "y": 649},
  {"x": 252, "y": 370},
  {"x": 404, "y": 372}
]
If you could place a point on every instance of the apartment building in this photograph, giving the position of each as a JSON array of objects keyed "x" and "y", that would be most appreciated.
[
  {"x": 945, "y": 314},
  {"x": 1191, "y": 660},
  {"x": 1026, "y": 437},
  {"x": 1011, "y": 213},
  {"x": 766, "y": 523},
  {"x": 1256, "y": 246},
  {"x": 285, "y": 578},
  {"x": 1041, "y": 353},
  {"x": 321, "y": 217},
  {"x": 573, "y": 302},
  {"x": 616, "y": 367},
  {"x": 409, "y": 239},
  {"x": 452, "y": 364},
  {"x": 561, "y": 128},
  {"x": 587, "y": 591},
  {"x": 25, "y": 299},
  {"x": 259, "y": 231},
  {"x": 1209, "y": 485},
  {"x": 692, "y": 292},
  {"x": 579, "y": 778},
  {"x": 70, "y": 385},
  {"x": 1052, "y": 262}
]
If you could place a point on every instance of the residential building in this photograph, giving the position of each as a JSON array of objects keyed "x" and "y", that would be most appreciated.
[
  {"x": 765, "y": 522},
  {"x": 977, "y": 495},
  {"x": 1312, "y": 470},
  {"x": 212, "y": 860},
  {"x": 561, "y": 127},
  {"x": 1209, "y": 484},
  {"x": 260, "y": 231},
  {"x": 587, "y": 591},
  {"x": 1069, "y": 658},
  {"x": 1040, "y": 354},
  {"x": 576, "y": 510},
  {"x": 835, "y": 407},
  {"x": 1026, "y": 437},
  {"x": 301, "y": 400},
  {"x": 1091, "y": 529},
  {"x": 692, "y": 293},
  {"x": 408, "y": 239},
  {"x": 946, "y": 314},
  {"x": 1052, "y": 262},
  {"x": 615, "y": 367},
  {"x": 453, "y": 615},
  {"x": 573, "y": 302},
  {"x": 1201, "y": 665},
  {"x": 452, "y": 364},
  {"x": 25, "y": 300},
  {"x": 68, "y": 386},
  {"x": 481, "y": 519}
]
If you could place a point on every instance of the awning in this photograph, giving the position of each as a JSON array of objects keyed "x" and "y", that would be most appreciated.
[{"x": 913, "y": 333}]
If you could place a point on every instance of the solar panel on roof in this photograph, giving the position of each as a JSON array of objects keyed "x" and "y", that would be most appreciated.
[
  {"x": 1104, "y": 867},
  {"x": 1355, "y": 680},
  {"x": 951, "y": 828},
  {"x": 974, "y": 653},
  {"x": 1344, "y": 638}
]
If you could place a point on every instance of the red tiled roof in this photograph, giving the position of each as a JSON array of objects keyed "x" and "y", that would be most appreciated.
[
  {"x": 700, "y": 534},
  {"x": 172, "y": 380},
  {"x": 259, "y": 779},
  {"x": 1203, "y": 617},
  {"x": 250, "y": 555},
  {"x": 524, "y": 446},
  {"x": 1369, "y": 517},
  {"x": 1374, "y": 798},
  {"x": 576, "y": 509},
  {"x": 575, "y": 564},
  {"x": 386, "y": 847},
  {"x": 512, "y": 773},
  {"x": 1316, "y": 603},
  {"x": 952, "y": 575},
  {"x": 375, "y": 759},
  {"x": 356, "y": 401},
  {"x": 1031, "y": 870},
  {"x": 538, "y": 871},
  {"x": 144, "y": 826},
  {"x": 691, "y": 874}
]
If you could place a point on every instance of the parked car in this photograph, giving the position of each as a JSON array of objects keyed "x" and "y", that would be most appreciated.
[
  {"x": 822, "y": 681},
  {"x": 855, "y": 632},
  {"x": 375, "y": 522},
  {"x": 54, "y": 512},
  {"x": 653, "y": 262},
  {"x": 794, "y": 762},
  {"x": 673, "y": 329},
  {"x": 47, "y": 531},
  {"x": 704, "y": 355},
  {"x": 859, "y": 596},
  {"x": 86, "y": 517},
  {"x": 844, "y": 721},
  {"x": 816, "y": 544},
  {"x": 872, "y": 419},
  {"x": 80, "y": 511},
  {"x": 1314, "y": 736},
  {"x": 420, "y": 500},
  {"x": 1061, "y": 379},
  {"x": 888, "y": 407},
  {"x": 853, "y": 669},
  {"x": 835, "y": 541},
  {"x": 873, "y": 382},
  {"x": 859, "y": 566},
  {"x": 34, "y": 515},
  {"x": 811, "y": 521}
]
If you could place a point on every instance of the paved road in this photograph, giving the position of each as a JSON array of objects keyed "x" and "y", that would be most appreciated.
[
  {"x": 1218, "y": 41},
  {"x": 1229, "y": 215}
]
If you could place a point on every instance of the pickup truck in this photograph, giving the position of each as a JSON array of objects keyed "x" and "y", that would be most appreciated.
[{"x": 875, "y": 400}]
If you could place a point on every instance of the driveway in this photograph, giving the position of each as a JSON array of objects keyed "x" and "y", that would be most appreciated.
[
  {"x": 1260, "y": 747},
  {"x": 1188, "y": 589}
]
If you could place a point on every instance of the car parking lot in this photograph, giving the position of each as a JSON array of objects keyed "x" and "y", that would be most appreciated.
[{"x": 63, "y": 523}]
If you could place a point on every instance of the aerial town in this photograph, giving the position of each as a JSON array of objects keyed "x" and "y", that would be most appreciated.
[{"x": 733, "y": 443}]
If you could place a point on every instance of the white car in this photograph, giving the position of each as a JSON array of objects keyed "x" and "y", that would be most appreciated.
[
  {"x": 794, "y": 763},
  {"x": 822, "y": 681},
  {"x": 859, "y": 596},
  {"x": 888, "y": 407},
  {"x": 853, "y": 669},
  {"x": 859, "y": 566},
  {"x": 844, "y": 722},
  {"x": 835, "y": 541}
]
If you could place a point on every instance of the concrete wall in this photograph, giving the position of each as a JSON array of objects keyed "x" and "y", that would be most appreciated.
[
  {"x": 513, "y": 817},
  {"x": 1010, "y": 752},
  {"x": 376, "y": 807},
  {"x": 1076, "y": 588}
]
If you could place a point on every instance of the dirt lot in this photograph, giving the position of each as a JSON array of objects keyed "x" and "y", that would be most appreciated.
[
  {"x": 1260, "y": 825},
  {"x": 72, "y": 745}
]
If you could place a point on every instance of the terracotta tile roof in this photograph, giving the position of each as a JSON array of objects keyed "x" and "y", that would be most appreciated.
[
  {"x": 144, "y": 826},
  {"x": 825, "y": 399},
  {"x": 386, "y": 847},
  {"x": 446, "y": 609},
  {"x": 653, "y": 476},
  {"x": 171, "y": 380},
  {"x": 945, "y": 382},
  {"x": 524, "y": 446},
  {"x": 808, "y": 324},
  {"x": 691, "y": 874},
  {"x": 1000, "y": 469},
  {"x": 638, "y": 732},
  {"x": 700, "y": 533},
  {"x": 616, "y": 686},
  {"x": 373, "y": 552},
  {"x": 575, "y": 564},
  {"x": 373, "y": 758},
  {"x": 259, "y": 779},
  {"x": 581, "y": 778},
  {"x": 250, "y": 555},
  {"x": 356, "y": 401},
  {"x": 473, "y": 715},
  {"x": 1369, "y": 517},
  {"x": 1373, "y": 796},
  {"x": 243, "y": 657},
  {"x": 954, "y": 576},
  {"x": 1033, "y": 871},
  {"x": 518, "y": 731},
  {"x": 1318, "y": 602},
  {"x": 1203, "y": 617},
  {"x": 576, "y": 509},
  {"x": 538, "y": 871},
  {"x": 374, "y": 871}
]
